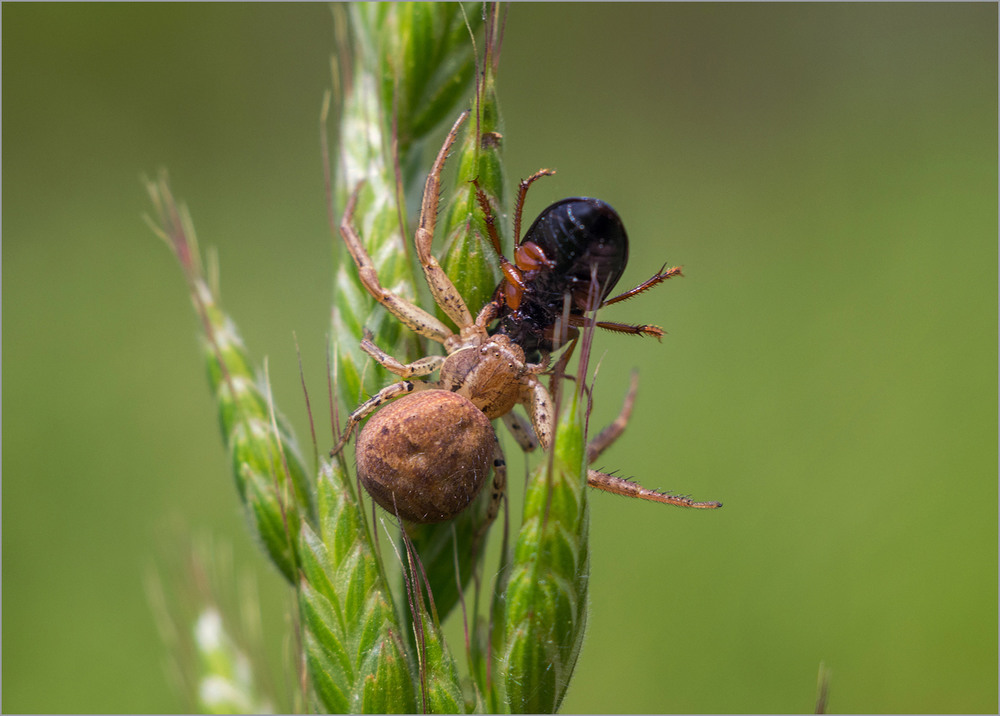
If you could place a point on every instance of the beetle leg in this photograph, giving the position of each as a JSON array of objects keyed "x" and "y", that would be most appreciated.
[
  {"x": 490, "y": 220},
  {"x": 522, "y": 191},
  {"x": 645, "y": 329},
  {"x": 513, "y": 286},
  {"x": 659, "y": 277}
]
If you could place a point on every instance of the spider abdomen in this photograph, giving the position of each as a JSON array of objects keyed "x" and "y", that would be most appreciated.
[{"x": 426, "y": 457}]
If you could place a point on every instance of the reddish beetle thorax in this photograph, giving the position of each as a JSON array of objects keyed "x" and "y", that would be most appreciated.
[{"x": 528, "y": 257}]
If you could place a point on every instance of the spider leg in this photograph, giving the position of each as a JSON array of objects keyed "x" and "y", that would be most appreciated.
[
  {"x": 369, "y": 406},
  {"x": 416, "y": 318},
  {"x": 497, "y": 492},
  {"x": 627, "y": 488},
  {"x": 487, "y": 314},
  {"x": 619, "y": 485},
  {"x": 499, "y": 483},
  {"x": 538, "y": 402},
  {"x": 612, "y": 432},
  {"x": 420, "y": 367},
  {"x": 521, "y": 430},
  {"x": 442, "y": 289}
]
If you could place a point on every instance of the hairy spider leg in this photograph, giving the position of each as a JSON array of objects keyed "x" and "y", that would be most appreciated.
[
  {"x": 522, "y": 431},
  {"x": 422, "y": 366},
  {"x": 442, "y": 289},
  {"x": 368, "y": 407},
  {"x": 414, "y": 317},
  {"x": 620, "y": 485}
]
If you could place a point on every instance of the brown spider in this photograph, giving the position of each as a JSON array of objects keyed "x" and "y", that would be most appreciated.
[
  {"x": 489, "y": 372},
  {"x": 426, "y": 456}
]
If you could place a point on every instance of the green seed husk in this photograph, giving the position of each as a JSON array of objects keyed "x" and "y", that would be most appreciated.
[
  {"x": 355, "y": 650},
  {"x": 270, "y": 475},
  {"x": 545, "y": 602}
]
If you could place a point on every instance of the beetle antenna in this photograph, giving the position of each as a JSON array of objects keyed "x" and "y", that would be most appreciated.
[{"x": 522, "y": 191}]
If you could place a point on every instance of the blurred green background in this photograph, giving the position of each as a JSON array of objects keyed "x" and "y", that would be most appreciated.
[{"x": 827, "y": 176}]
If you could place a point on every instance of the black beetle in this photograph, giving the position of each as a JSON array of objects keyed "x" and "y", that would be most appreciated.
[{"x": 573, "y": 244}]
